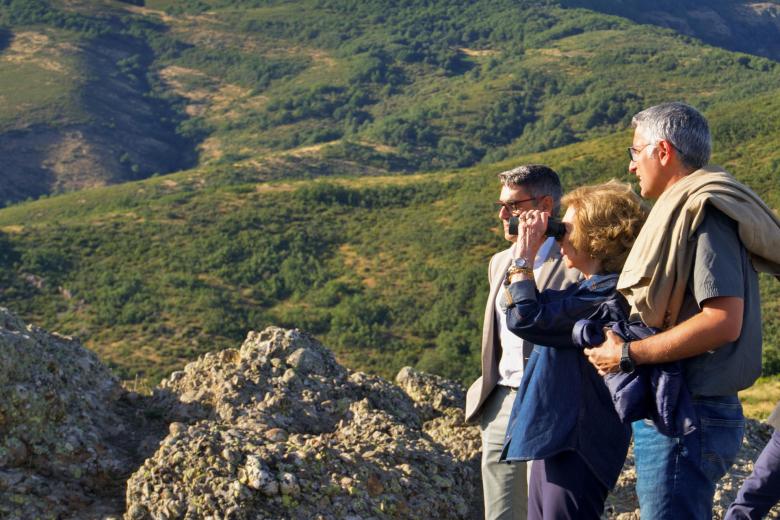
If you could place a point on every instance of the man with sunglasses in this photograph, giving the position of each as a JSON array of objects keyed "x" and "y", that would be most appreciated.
[
  {"x": 692, "y": 273},
  {"x": 489, "y": 399}
]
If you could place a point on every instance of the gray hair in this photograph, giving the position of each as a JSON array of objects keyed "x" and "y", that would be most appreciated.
[
  {"x": 680, "y": 124},
  {"x": 538, "y": 180}
]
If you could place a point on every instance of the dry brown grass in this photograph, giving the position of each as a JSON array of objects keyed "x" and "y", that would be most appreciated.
[
  {"x": 147, "y": 11},
  {"x": 760, "y": 399},
  {"x": 476, "y": 53},
  {"x": 308, "y": 150},
  {"x": 12, "y": 229},
  {"x": 361, "y": 265},
  {"x": 275, "y": 187},
  {"x": 37, "y": 48},
  {"x": 211, "y": 148}
]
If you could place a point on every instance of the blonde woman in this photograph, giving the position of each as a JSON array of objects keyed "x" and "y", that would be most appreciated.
[{"x": 563, "y": 417}]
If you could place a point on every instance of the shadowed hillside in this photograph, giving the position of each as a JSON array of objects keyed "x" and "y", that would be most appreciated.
[
  {"x": 744, "y": 26},
  {"x": 5, "y": 38},
  {"x": 79, "y": 111}
]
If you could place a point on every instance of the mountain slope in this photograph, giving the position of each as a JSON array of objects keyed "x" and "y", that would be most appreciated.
[
  {"x": 271, "y": 90},
  {"x": 389, "y": 270},
  {"x": 744, "y": 26},
  {"x": 313, "y": 121},
  {"x": 78, "y": 109}
]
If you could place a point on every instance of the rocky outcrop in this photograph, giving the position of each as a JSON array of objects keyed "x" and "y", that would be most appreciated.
[
  {"x": 59, "y": 421},
  {"x": 276, "y": 429}
]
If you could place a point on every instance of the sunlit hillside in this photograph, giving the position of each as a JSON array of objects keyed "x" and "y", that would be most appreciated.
[
  {"x": 388, "y": 270},
  {"x": 103, "y": 91},
  {"x": 337, "y": 167}
]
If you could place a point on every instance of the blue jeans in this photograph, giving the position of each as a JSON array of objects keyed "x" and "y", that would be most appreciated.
[{"x": 676, "y": 476}]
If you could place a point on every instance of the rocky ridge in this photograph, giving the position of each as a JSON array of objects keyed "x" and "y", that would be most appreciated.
[
  {"x": 280, "y": 430},
  {"x": 276, "y": 429},
  {"x": 59, "y": 424}
]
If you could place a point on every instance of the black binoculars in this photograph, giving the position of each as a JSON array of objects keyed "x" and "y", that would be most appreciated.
[{"x": 555, "y": 227}]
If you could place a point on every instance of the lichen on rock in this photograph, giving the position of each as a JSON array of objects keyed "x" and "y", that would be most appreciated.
[
  {"x": 275, "y": 429},
  {"x": 57, "y": 423},
  {"x": 283, "y": 431}
]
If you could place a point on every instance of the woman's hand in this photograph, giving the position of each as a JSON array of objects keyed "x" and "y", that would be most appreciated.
[{"x": 530, "y": 234}]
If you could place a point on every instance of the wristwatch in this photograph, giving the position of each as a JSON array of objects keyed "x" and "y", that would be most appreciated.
[
  {"x": 520, "y": 263},
  {"x": 519, "y": 266},
  {"x": 627, "y": 364}
]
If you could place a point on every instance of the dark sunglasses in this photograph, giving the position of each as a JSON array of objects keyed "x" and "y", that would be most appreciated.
[{"x": 512, "y": 205}]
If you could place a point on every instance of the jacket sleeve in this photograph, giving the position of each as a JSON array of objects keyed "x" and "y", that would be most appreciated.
[{"x": 547, "y": 317}]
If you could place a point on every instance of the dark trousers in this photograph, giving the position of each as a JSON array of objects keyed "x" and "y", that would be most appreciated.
[
  {"x": 563, "y": 487},
  {"x": 761, "y": 490}
]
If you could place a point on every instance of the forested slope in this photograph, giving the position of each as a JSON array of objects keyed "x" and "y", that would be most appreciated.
[
  {"x": 389, "y": 270},
  {"x": 99, "y": 92},
  {"x": 344, "y": 161}
]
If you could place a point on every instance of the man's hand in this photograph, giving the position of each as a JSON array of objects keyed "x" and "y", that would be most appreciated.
[
  {"x": 606, "y": 357},
  {"x": 718, "y": 323}
]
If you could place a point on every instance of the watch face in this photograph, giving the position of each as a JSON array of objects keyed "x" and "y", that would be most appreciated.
[
  {"x": 626, "y": 365},
  {"x": 520, "y": 262}
]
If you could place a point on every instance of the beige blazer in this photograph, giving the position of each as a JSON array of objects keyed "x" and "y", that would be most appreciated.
[{"x": 553, "y": 275}]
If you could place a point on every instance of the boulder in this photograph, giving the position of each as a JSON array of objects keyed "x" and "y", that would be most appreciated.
[
  {"x": 275, "y": 429},
  {"x": 59, "y": 424},
  {"x": 283, "y": 431}
]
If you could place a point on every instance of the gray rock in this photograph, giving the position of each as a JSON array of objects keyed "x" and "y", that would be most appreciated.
[
  {"x": 315, "y": 441},
  {"x": 275, "y": 429},
  {"x": 306, "y": 360},
  {"x": 288, "y": 485},
  {"x": 59, "y": 419}
]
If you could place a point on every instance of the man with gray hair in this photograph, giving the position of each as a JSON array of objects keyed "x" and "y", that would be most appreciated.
[
  {"x": 692, "y": 274},
  {"x": 490, "y": 398}
]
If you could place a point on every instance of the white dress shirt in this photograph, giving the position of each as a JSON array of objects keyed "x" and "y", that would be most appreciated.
[{"x": 510, "y": 367}]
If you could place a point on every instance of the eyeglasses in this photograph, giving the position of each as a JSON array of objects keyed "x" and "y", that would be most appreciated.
[
  {"x": 512, "y": 205},
  {"x": 633, "y": 153}
]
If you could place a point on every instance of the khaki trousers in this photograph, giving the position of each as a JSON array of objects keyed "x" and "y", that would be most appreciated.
[{"x": 505, "y": 486}]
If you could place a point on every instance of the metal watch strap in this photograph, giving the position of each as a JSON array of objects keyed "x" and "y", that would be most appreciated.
[{"x": 627, "y": 364}]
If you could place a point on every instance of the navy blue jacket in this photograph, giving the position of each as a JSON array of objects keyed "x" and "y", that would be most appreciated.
[
  {"x": 562, "y": 403},
  {"x": 657, "y": 392}
]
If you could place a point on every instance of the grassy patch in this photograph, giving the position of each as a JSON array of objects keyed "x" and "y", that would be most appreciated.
[
  {"x": 759, "y": 400},
  {"x": 38, "y": 84}
]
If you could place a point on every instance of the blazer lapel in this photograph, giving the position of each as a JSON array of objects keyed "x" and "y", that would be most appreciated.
[
  {"x": 489, "y": 333},
  {"x": 500, "y": 268}
]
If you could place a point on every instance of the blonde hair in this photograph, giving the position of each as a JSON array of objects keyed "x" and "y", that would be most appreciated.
[{"x": 607, "y": 219}]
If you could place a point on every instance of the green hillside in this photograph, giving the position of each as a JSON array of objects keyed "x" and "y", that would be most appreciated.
[
  {"x": 306, "y": 88},
  {"x": 347, "y": 154},
  {"x": 388, "y": 270}
]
